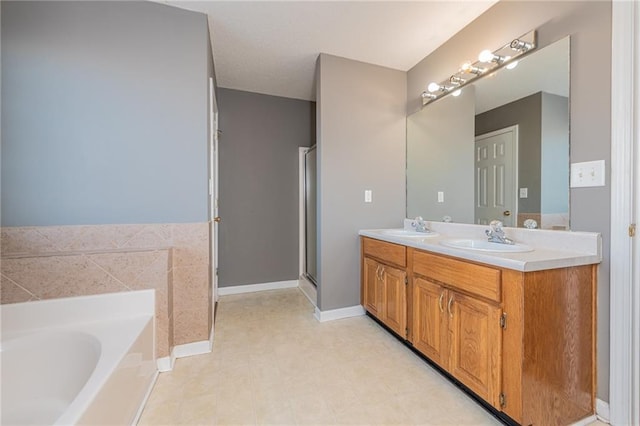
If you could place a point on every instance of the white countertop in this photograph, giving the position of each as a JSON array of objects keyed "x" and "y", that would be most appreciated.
[{"x": 551, "y": 249}]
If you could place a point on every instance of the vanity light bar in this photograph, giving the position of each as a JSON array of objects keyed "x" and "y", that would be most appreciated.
[{"x": 487, "y": 61}]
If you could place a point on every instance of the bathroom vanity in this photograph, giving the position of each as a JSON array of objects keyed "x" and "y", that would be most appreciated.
[{"x": 516, "y": 329}]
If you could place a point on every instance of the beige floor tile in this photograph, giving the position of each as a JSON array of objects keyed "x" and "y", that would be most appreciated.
[
  {"x": 271, "y": 406},
  {"x": 272, "y": 363},
  {"x": 311, "y": 409},
  {"x": 160, "y": 415},
  {"x": 198, "y": 411},
  {"x": 235, "y": 407}
]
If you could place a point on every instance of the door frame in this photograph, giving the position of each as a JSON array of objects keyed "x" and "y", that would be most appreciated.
[
  {"x": 624, "y": 370},
  {"x": 213, "y": 194},
  {"x": 302, "y": 253},
  {"x": 513, "y": 130}
]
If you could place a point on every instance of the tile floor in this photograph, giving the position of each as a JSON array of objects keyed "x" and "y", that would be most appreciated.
[{"x": 273, "y": 363}]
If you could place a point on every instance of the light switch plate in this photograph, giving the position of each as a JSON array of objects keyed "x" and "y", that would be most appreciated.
[
  {"x": 588, "y": 173},
  {"x": 440, "y": 196},
  {"x": 368, "y": 196},
  {"x": 524, "y": 192}
]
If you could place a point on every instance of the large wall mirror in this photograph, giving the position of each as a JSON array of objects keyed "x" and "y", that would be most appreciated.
[{"x": 499, "y": 150}]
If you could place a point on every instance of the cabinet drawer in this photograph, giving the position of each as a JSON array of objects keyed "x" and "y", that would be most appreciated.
[
  {"x": 475, "y": 279},
  {"x": 387, "y": 252}
]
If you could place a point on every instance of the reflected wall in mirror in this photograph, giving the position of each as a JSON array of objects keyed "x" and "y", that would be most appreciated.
[{"x": 500, "y": 150}]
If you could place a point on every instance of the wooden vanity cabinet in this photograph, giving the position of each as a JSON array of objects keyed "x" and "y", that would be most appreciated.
[
  {"x": 430, "y": 333},
  {"x": 548, "y": 363},
  {"x": 522, "y": 341},
  {"x": 475, "y": 345},
  {"x": 371, "y": 286},
  {"x": 384, "y": 283},
  {"x": 394, "y": 299},
  {"x": 456, "y": 320}
]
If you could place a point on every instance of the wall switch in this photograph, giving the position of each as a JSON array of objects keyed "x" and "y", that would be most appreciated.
[
  {"x": 524, "y": 192},
  {"x": 440, "y": 197},
  {"x": 368, "y": 196},
  {"x": 588, "y": 173}
]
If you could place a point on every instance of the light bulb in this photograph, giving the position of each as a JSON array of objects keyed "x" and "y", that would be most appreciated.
[
  {"x": 454, "y": 79},
  {"x": 512, "y": 65},
  {"x": 427, "y": 95},
  {"x": 433, "y": 87},
  {"x": 468, "y": 68},
  {"x": 456, "y": 92},
  {"x": 521, "y": 45},
  {"x": 485, "y": 56}
]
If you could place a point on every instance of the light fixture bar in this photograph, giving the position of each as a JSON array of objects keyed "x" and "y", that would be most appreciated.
[{"x": 488, "y": 61}]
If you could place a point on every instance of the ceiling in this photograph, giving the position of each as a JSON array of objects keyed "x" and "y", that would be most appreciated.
[{"x": 271, "y": 47}]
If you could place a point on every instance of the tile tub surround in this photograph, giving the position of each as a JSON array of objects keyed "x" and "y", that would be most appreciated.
[
  {"x": 552, "y": 249},
  {"x": 61, "y": 261}
]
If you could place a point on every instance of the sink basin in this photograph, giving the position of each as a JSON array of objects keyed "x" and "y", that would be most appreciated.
[
  {"x": 484, "y": 245},
  {"x": 408, "y": 233}
]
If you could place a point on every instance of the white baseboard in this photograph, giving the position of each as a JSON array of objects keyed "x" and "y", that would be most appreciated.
[
  {"x": 602, "y": 414},
  {"x": 190, "y": 349},
  {"x": 164, "y": 364},
  {"x": 181, "y": 351},
  {"x": 145, "y": 399},
  {"x": 335, "y": 314},
  {"x": 250, "y": 288},
  {"x": 586, "y": 421},
  {"x": 602, "y": 410}
]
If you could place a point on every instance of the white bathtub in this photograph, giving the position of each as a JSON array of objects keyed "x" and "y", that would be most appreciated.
[{"x": 83, "y": 360}]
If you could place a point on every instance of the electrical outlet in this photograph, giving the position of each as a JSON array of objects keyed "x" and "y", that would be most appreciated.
[
  {"x": 524, "y": 192},
  {"x": 588, "y": 173}
]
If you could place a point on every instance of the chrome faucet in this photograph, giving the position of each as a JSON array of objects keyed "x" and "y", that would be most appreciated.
[
  {"x": 420, "y": 225},
  {"x": 496, "y": 233}
]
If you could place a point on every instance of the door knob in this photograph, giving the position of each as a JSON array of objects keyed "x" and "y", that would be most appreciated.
[
  {"x": 506, "y": 213},
  {"x": 217, "y": 219}
]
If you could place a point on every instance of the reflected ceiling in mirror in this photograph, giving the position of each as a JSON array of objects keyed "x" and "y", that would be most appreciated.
[{"x": 500, "y": 150}]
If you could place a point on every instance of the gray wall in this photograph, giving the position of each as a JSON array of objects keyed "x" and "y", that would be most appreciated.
[
  {"x": 441, "y": 158},
  {"x": 555, "y": 154},
  {"x": 361, "y": 145},
  {"x": 258, "y": 185},
  {"x": 526, "y": 113},
  {"x": 104, "y": 116},
  {"x": 589, "y": 25}
]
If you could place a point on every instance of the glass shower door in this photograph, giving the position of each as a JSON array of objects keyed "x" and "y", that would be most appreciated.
[{"x": 311, "y": 234}]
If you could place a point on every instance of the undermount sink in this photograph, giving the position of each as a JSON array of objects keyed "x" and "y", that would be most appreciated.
[
  {"x": 408, "y": 233},
  {"x": 484, "y": 245}
]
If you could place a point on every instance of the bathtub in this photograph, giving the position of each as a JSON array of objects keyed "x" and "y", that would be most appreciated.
[{"x": 81, "y": 360}]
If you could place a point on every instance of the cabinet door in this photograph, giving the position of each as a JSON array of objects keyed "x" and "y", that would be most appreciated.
[
  {"x": 429, "y": 320},
  {"x": 394, "y": 299},
  {"x": 475, "y": 341},
  {"x": 372, "y": 285}
]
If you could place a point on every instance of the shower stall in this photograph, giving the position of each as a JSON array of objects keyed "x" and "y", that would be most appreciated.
[{"x": 310, "y": 211}]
